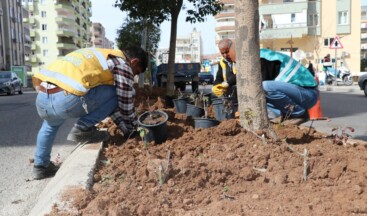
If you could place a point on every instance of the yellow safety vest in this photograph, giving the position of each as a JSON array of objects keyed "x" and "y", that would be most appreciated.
[
  {"x": 80, "y": 70},
  {"x": 224, "y": 67}
]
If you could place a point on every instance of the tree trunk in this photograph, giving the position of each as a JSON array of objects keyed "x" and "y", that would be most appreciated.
[
  {"x": 251, "y": 97},
  {"x": 172, "y": 49}
]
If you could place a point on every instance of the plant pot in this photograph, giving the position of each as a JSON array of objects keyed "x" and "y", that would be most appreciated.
[
  {"x": 219, "y": 110},
  {"x": 205, "y": 122},
  {"x": 157, "y": 126},
  {"x": 169, "y": 101},
  {"x": 180, "y": 105},
  {"x": 194, "y": 111}
]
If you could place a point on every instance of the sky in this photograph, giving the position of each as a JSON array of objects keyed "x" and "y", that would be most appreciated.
[{"x": 112, "y": 18}]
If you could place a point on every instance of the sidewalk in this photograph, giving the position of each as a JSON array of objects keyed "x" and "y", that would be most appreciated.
[
  {"x": 341, "y": 88},
  {"x": 76, "y": 172}
]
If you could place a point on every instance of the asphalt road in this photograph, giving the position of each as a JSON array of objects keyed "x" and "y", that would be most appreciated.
[
  {"x": 19, "y": 124},
  {"x": 346, "y": 106}
]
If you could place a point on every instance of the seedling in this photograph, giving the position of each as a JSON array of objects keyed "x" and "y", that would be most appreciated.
[
  {"x": 142, "y": 133},
  {"x": 162, "y": 171},
  {"x": 305, "y": 161},
  {"x": 226, "y": 189},
  {"x": 341, "y": 136},
  {"x": 290, "y": 109},
  {"x": 249, "y": 118}
]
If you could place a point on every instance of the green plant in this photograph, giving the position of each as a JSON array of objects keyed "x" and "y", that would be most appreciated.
[
  {"x": 142, "y": 133},
  {"x": 249, "y": 118},
  {"x": 226, "y": 189}
]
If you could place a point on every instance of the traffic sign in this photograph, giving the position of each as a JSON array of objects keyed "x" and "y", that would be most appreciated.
[{"x": 336, "y": 44}]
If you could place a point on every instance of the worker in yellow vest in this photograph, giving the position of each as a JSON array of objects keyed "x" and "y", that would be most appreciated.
[
  {"x": 225, "y": 80},
  {"x": 90, "y": 84}
]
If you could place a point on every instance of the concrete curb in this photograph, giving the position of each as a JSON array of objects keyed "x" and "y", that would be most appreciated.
[{"x": 76, "y": 171}]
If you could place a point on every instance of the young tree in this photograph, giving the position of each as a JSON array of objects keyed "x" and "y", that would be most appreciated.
[
  {"x": 158, "y": 11},
  {"x": 251, "y": 96}
]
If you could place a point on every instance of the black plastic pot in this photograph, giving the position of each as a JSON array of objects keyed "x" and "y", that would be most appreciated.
[
  {"x": 205, "y": 123},
  {"x": 194, "y": 111},
  {"x": 157, "y": 132},
  {"x": 180, "y": 105},
  {"x": 219, "y": 112}
]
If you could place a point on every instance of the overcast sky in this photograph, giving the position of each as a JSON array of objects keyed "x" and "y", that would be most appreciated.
[{"x": 112, "y": 18}]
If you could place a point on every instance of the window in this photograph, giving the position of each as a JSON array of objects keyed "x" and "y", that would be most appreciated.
[
  {"x": 45, "y": 52},
  {"x": 293, "y": 18},
  {"x": 343, "y": 18},
  {"x": 43, "y": 14},
  {"x": 313, "y": 20},
  {"x": 44, "y": 27},
  {"x": 44, "y": 40},
  {"x": 43, "y": 1},
  {"x": 327, "y": 41}
]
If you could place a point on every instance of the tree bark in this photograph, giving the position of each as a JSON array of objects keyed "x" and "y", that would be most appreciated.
[
  {"x": 172, "y": 48},
  {"x": 251, "y": 97}
]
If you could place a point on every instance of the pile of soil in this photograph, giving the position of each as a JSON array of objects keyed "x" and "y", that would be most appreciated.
[{"x": 225, "y": 171}]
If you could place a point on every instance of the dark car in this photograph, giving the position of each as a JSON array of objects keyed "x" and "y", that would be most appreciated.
[
  {"x": 362, "y": 82},
  {"x": 206, "y": 77},
  {"x": 10, "y": 83}
]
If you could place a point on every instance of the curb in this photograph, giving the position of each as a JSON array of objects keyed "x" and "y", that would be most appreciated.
[{"x": 76, "y": 171}]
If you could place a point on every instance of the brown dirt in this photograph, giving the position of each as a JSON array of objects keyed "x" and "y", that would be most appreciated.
[{"x": 225, "y": 171}]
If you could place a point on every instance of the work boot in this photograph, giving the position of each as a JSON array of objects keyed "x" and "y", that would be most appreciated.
[
  {"x": 90, "y": 135},
  {"x": 41, "y": 172},
  {"x": 297, "y": 120}
]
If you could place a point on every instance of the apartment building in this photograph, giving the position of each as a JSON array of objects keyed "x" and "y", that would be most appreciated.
[
  {"x": 364, "y": 29},
  {"x": 305, "y": 29},
  {"x": 58, "y": 27},
  {"x": 12, "y": 35},
  {"x": 27, "y": 40},
  {"x": 98, "y": 37},
  {"x": 188, "y": 49}
]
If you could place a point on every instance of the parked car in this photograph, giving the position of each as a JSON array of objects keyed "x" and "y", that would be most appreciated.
[
  {"x": 362, "y": 82},
  {"x": 184, "y": 73},
  {"x": 206, "y": 77},
  {"x": 10, "y": 83}
]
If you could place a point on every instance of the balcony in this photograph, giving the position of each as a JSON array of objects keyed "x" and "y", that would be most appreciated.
[
  {"x": 284, "y": 8},
  {"x": 63, "y": 8},
  {"x": 34, "y": 59},
  {"x": 30, "y": 7},
  {"x": 225, "y": 15},
  {"x": 66, "y": 46},
  {"x": 33, "y": 47},
  {"x": 61, "y": 19},
  {"x": 292, "y": 18},
  {"x": 224, "y": 29},
  {"x": 66, "y": 31}
]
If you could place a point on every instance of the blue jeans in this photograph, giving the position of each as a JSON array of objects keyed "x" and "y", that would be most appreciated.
[
  {"x": 55, "y": 108},
  {"x": 279, "y": 95}
]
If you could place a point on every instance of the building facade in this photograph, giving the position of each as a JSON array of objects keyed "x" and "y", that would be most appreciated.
[
  {"x": 188, "y": 49},
  {"x": 98, "y": 37},
  {"x": 305, "y": 29},
  {"x": 12, "y": 35},
  {"x": 58, "y": 27}
]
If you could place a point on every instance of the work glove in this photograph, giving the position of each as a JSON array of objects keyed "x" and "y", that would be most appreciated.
[
  {"x": 219, "y": 90},
  {"x": 225, "y": 84}
]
